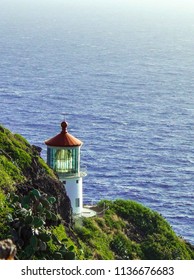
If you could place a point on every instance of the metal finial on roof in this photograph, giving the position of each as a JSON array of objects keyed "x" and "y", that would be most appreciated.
[{"x": 64, "y": 125}]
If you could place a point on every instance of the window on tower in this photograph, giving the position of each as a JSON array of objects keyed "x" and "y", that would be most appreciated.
[{"x": 77, "y": 202}]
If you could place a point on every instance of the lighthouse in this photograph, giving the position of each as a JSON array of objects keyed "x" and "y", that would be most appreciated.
[{"x": 63, "y": 156}]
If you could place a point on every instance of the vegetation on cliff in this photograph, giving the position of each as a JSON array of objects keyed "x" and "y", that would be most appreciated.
[
  {"x": 128, "y": 230},
  {"x": 35, "y": 213},
  {"x": 32, "y": 199}
]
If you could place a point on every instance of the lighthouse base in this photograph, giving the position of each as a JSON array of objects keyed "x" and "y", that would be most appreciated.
[{"x": 86, "y": 213}]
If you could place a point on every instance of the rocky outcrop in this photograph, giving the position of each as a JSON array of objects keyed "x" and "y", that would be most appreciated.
[
  {"x": 50, "y": 185},
  {"x": 23, "y": 169}
]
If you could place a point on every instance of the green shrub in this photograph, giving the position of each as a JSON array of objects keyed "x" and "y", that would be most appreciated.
[
  {"x": 90, "y": 224},
  {"x": 145, "y": 234},
  {"x": 6, "y": 182},
  {"x": 21, "y": 141},
  {"x": 15, "y": 148},
  {"x": 124, "y": 248},
  {"x": 83, "y": 233},
  {"x": 22, "y": 158},
  {"x": 101, "y": 223},
  {"x": 94, "y": 241},
  {"x": 5, "y": 212},
  {"x": 30, "y": 216},
  {"x": 143, "y": 218},
  {"x": 10, "y": 169},
  {"x": 165, "y": 247},
  {"x": 60, "y": 233}
]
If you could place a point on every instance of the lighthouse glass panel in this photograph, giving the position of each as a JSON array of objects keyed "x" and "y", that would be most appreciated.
[{"x": 63, "y": 160}]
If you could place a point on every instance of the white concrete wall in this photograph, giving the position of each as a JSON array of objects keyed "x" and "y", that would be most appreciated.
[{"x": 74, "y": 191}]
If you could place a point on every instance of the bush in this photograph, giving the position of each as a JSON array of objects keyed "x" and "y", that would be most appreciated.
[
  {"x": 15, "y": 147},
  {"x": 124, "y": 248},
  {"x": 12, "y": 173},
  {"x": 83, "y": 233},
  {"x": 5, "y": 212},
  {"x": 33, "y": 237},
  {"x": 143, "y": 218},
  {"x": 165, "y": 247}
]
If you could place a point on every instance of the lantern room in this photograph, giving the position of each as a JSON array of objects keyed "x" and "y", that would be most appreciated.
[{"x": 64, "y": 160}]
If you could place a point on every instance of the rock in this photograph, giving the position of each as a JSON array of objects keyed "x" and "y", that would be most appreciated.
[{"x": 7, "y": 250}]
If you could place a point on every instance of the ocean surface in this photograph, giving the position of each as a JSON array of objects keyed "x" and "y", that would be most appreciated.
[{"x": 123, "y": 78}]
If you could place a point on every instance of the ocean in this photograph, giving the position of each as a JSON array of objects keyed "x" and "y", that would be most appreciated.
[{"x": 122, "y": 76}]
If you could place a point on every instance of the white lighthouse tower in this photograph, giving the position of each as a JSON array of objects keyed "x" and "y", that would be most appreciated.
[{"x": 63, "y": 156}]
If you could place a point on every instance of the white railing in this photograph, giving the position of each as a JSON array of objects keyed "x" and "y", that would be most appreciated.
[
  {"x": 93, "y": 203},
  {"x": 83, "y": 171}
]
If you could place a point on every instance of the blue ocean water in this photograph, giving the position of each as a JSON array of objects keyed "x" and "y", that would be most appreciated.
[{"x": 123, "y": 77}]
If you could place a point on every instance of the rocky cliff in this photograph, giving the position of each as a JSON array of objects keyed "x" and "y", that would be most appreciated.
[{"x": 22, "y": 169}]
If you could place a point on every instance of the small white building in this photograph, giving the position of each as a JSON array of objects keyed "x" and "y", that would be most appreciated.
[{"x": 63, "y": 156}]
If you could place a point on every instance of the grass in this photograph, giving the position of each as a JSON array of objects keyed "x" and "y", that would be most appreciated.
[{"x": 128, "y": 230}]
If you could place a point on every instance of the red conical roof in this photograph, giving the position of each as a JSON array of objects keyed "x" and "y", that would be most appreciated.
[{"x": 63, "y": 139}]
